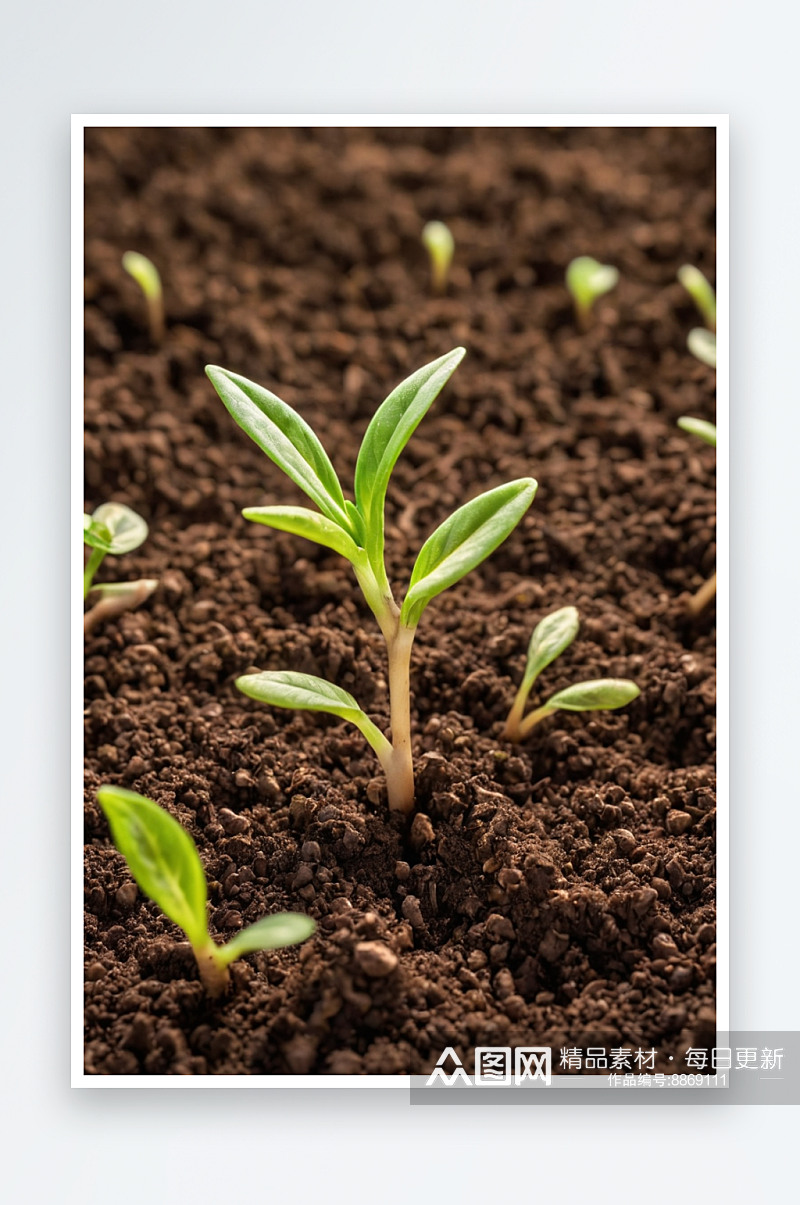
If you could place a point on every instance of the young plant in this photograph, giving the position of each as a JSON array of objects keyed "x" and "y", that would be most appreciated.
[
  {"x": 699, "y": 427},
  {"x": 708, "y": 433},
  {"x": 701, "y": 293},
  {"x": 113, "y": 528},
  {"x": 163, "y": 859},
  {"x": 356, "y": 531},
  {"x": 550, "y": 637},
  {"x": 147, "y": 278},
  {"x": 440, "y": 245},
  {"x": 703, "y": 345},
  {"x": 587, "y": 280}
]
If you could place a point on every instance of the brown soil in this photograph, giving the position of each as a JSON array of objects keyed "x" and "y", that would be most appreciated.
[{"x": 558, "y": 892}]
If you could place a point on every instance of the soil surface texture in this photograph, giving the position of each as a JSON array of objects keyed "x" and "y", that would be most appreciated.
[{"x": 558, "y": 892}]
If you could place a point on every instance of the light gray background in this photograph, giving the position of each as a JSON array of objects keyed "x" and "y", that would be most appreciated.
[{"x": 368, "y": 56}]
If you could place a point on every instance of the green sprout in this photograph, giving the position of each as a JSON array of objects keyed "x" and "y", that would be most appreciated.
[
  {"x": 699, "y": 427},
  {"x": 587, "y": 280},
  {"x": 356, "y": 531},
  {"x": 440, "y": 245},
  {"x": 550, "y": 638},
  {"x": 701, "y": 293},
  {"x": 708, "y": 433},
  {"x": 163, "y": 859},
  {"x": 147, "y": 278},
  {"x": 113, "y": 528},
  {"x": 703, "y": 345}
]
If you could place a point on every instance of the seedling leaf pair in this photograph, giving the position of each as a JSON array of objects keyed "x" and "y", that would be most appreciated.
[
  {"x": 356, "y": 531},
  {"x": 113, "y": 529},
  {"x": 163, "y": 859},
  {"x": 550, "y": 638}
]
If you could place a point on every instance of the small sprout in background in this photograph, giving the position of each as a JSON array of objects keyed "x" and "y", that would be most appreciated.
[
  {"x": 440, "y": 245},
  {"x": 549, "y": 640},
  {"x": 701, "y": 293},
  {"x": 113, "y": 528},
  {"x": 147, "y": 278},
  {"x": 699, "y": 427},
  {"x": 587, "y": 280},
  {"x": 703, "y": 345},
  {"x": 163, "y": 859},
  {"x": 356, "y": 531},
  {"x": 708, "y": 433}
]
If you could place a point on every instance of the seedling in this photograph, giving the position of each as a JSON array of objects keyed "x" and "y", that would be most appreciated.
[
  {"x": 549, "y": 640},
  {"x": 113, "y": 528},
  {"x": 587, "y": 280},
  {"x": 163, "y": 859},
  {"x": 701, "y": 293},
  {"x": 699, "y": 427},
  {"x": 147, "y": 278},
  {"x": 708, "y": 433},
  {"x": 356, "y": 531},
  {"x": 440, "y": 245},
  {"x": 703, "y": 345}
]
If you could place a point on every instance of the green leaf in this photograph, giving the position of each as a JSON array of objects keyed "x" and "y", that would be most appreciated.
[
  {"x": 304, "y": 692},
  {"x": 307, "y": 523},
  {"x": 463, "y": 541},
  {"x": 601, "y": 694},
  {"x": 269, "y": 933},
  {"x": 587, "y": 280},
  {"x": 698, "y": 426},
  {"x": 285, "y": 437},
  {"x": 162, "y": 858},
  {"x": 703, "y": 346},
  {"x": 701, "y": 293},
  {"x": 115, "y": 528},
  {"x": 550, "y": 637},
  {"x": 390, "y": 430}
]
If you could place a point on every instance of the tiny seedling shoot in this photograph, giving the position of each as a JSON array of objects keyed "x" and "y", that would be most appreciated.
[
  {"x": 703, "y": 345},
  {"x": 147, "y": 278},
  {"x": 550, "y": 637},
  {"x": 113, "y": 528},
  {"x": 587, "y": 280},
  {"x": 440, "y": 245},
  {"x": 356, "y": 531},
  {"x": 163, "y": 859},
  {"x": 708, "y": 433},
  {"x": 701, "y": 293}
]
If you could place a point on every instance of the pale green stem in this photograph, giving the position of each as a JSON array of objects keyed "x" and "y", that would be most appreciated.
[
  {"x": 400, "y": 773},
  {"x": 92, "y": 565},
  {"x": 213, "y": 971},
  {"x": 533, "y": 719},
  {"x": 511, "y": 729}
]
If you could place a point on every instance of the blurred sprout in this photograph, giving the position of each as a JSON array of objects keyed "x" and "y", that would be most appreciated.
[
  {"x": 703, "y": 345},
  {"x": 440, "y": 245},
  {"x": 701, "y": 293},
  {"x": 587, "y": 280},
  {"x": 146, "y": 276},
  {"x": 699, "y": 427}
]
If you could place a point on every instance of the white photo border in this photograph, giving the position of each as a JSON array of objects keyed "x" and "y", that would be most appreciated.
[{"x": 80, "y": 122}]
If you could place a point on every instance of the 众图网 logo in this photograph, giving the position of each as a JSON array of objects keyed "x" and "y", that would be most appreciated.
[{"x": 493, "y": 1066}]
